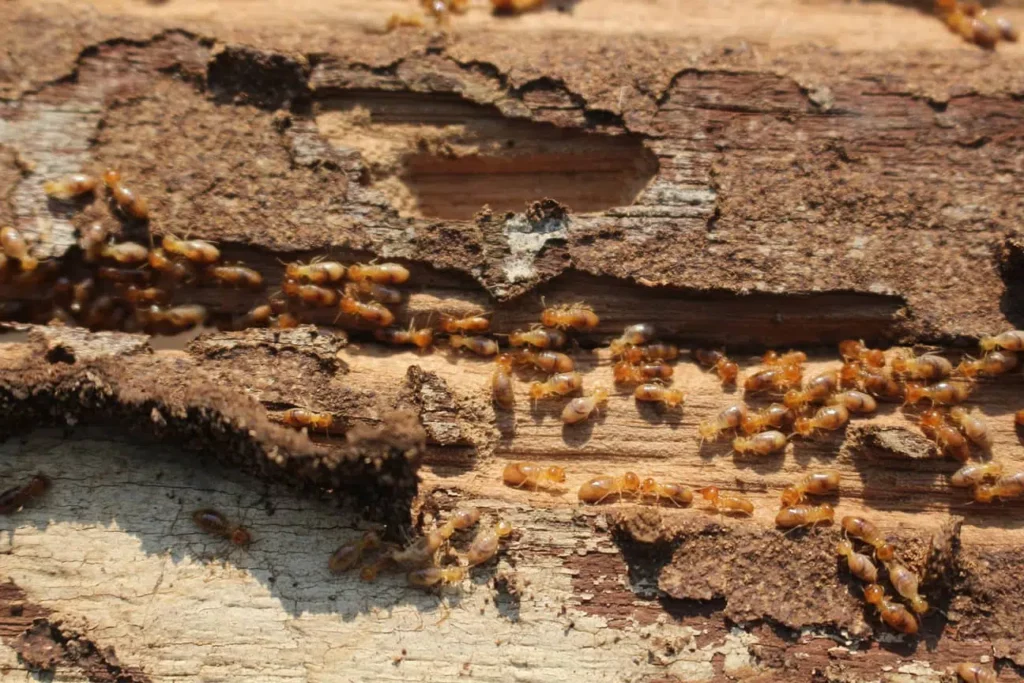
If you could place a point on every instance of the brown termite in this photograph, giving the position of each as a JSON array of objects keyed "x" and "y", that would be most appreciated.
[
  {"x": 1018, "y": 417},
  {"x": 784, "y": 360},
  {"x": 146, "y": 295},
  {"x": 176, "y": 270},
  {"x": 815, "y": 390},
  {"x": 428, "y": 577},
  {"x": 485, "y": 543},
  {"x": 315, "y": 272},
  {"x": 729, "y": 418},
  {"x": 71, "y": 186},
  {"x": 975, "y": 473},
  {"x": 580, "y": 409},
  {"x": 92, "y": 239},
  {"x": 533, "y": 476},
  {"x": 895, "y": 615},
  {"x": 854, "y": 350},
  {"x": 127, "y": 202},
  {"x": 762, "y": 443},
  {"x": 515, "y": 6},
  {"x": 185, "y": 317},
  {"x": 539, "y": 338},
  {"x": 675, "y": 493},
  {"x": 379, "y": 273},
  {"x": 1006, "y": 486},
  {"x": 727, "y": 370},
  {"x": 481, "y": 346},
  {"x": 348, "y": 555},
  {"x": 859, "y": 565},
  {"x": 124, "y": 276},
  {"x": 421, "y": 338},
  {"x": 725, "y": 502},
  {"x": 779, "y": 378},
  {"x": 312, "y": 295},
  {"x": 469, "y": 323},
  {"x": 804, "y": 515},
  {"x": 16, "y": 497},
  {"x": 286, "y": 321},
  {"x": 260, "y": 316},
  {"x": 815, "y": 483},
  {"x": 634, "y": 335},
  {"x": 196, "y": 251},
  {"x": 501, "y": 384},
  {"x": 14, "y": 245},
  {"x": 774, "y": 416},
  {"x": 460, "y": 519},
  {"x": 300, "y": 418},
  {"x": 375, "y": 292},
  {"x": 562, "y": 384},
  {"x": 654, "y": 351},
  {"x": 236, "y": 276},
  {"x": 927, "y": 367},
  {"x": 628, "y": 373},
  {"x": 976, "y": 673},
  {"x": 946, "y": 436},
  {"x": 125, "y": 252},
  {"x": 548, "y": 361},
  {"x": 370, "y": 312},
  {"x": 829, "y": 418},
  {"x": 864, "y": 530},
  {"x": 576, "y": 316},
  {"x": 419, "y": 552},
  {"x": 906, "y": 584},
  {"x": 992, "y": 363},
  {"x": 658, "y": 393},
  {"x": 973, "y": 426},
  {"x": 598, "y": 489},
  {"x": 1006, "y": 341},
  {"x": 216, "y": 524},
  {"x": 855, "y": 401}
]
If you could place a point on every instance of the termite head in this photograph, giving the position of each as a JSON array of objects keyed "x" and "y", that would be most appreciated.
[
  {"x": 503, "y": 528},
  {"x": 555, "y": 473},
  {"x": 844, "y": 547},
  {"x": 241, "y": 537},
  {"x": 630, "y": 482},
  {"x": 919, "y": 604},
  {"x": 873, "y": 594}
]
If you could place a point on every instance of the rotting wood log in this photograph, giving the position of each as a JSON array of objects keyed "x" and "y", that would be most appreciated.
[{"x": 813, "y": 173}]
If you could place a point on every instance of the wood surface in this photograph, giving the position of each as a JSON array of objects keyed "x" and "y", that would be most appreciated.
[{"x": 765, "y": 174}]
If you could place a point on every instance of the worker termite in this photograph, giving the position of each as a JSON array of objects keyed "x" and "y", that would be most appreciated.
[
  {"x": 469, "y": 323},
  {"x": 371, "y": 312},
  {"x": 348, "y": 555},
  {"x": 774, "y": 359},
  {"x": 146, "y": 295},
  {"x": 481, "y": 346},
  {"x": 675, "y": 493},
  {"x": 729, "y": 418},
  {"x": 627, "y": 373},
  {"x": 774, "y": 416},
  {"x": 196, "y": 251},
  {"x": 762, "y": 443},
  {"x": 421, "y": 338},
  {"x": 501, "y": 385},
  {"x": 313, "y": 295},
  {"x": 576, "y": 316},
  {"x": 539, "y": 338},
  {"x": 419, "y": 552},
  {"x": 942, "y": 393},
  {"x": 726, "y": 369},
  {"x": 829, "y": 418},
  {"x": 634, "y": 335},
  {"x": 816, "y": 483},
  {"x": 396, "y": 21},
  {"x": 657, "y": 393},
  {"x": 855, "y": 351},
  {"x": 176, "y": 270},
  {"x": 725, "y": 502},
  {"x": 286, "y": 321},
  {"x": 869, "y": 533},
  {"x": 579, "y": 409},
  {"x": 380, "y": 273},
  {"x": 300, "y": 418},
  {"x": 515, "y": 6},
  {"x": 946, "y": 436},
  {"x": 773, "y": 379},
  {"x": 653, "y": 351},
  {"x": 973, "y": 426},
  {"x": 547, "y": 361},
  {"x": 125, "y": 252},
  {"x": 992, "y": 363},
  {"x": 976, "y": 473},
  {"x": 460, "y": 519},
  {"x": 260, "y": 316},
  {"x": 895, "y": 615},
  {"x": 906, "y": 584},
  {"x": 127, "y": 202},
  {"x": 237, "y": 276},
  {"x": 816, "y": 390},
  {"x": 562, "y": 384},
  {"x": 1006, "y": 486},
  {"x": 804, "y": 515},
  {"x": 485, "y": 543},
  {"x": 15, "y": 246},
  {"x": 375, "y": 292},
  {"x": 124, "y": 276},
  {"x": 428, "y": 577},
  {"x": 859, "y": 565},
  {"x": 213, "y": 522},
  {"x": 531, "y": 475},
  {"x": 16, "y": 497},
  {"x": 926, "y": 367},
  {"x": 315, "y": 272},
  {"x": 976, "y": 673},
  {"x": 70, "y": 186},
  {"x": 598, "y": 489},
  {"x": 855, "y": 401},
  {"x": 1007, "y": 341}
]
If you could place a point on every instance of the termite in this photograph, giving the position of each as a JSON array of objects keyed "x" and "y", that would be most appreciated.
[
  {"x": 313, "y": 295},
  {"x": 539, "y": 338},
  {"x": 869, "y": 533},
  {"x": 973, "y": 426},
  {"x": 348, "y": 555},
  {"x": 147, "y": 295},
  {"x": 71, "y": 186},
  {"x": 236, "y": 276},
  {"x": 726, "y": 502},
  {"x": 816, "y": 390},
  {"x": 300, "y": 418},
  {"x": 485, "y": 543},
  {"x": 894, "y": 614},
  {"x": 975, "y": 473},
  {"x": 531, "y": 475},
  {"x": 946, "y": 436},
  {"x": 859, "y": 565},
  {"x": 855, "y": 401},
  {"x": 1006, "y": 486},
  {"x": 1007, "y": 341},
  {"x": 762, "y": 443},
  {"x": 372, "y": 312},
  {"x": 315, "y": 272},
  {"x": 784, "y": 360},
  {"x": 992, "y": 363},
  {"x": 829, "y": 418},
  {"x": 176, "y": 270},
  {"x": 926, "y": 367},
  {"x": 380, "y": 273},
  {"x": 976, "y": 673},
  {"x": 598, "y": 489},
  {"x": 548, "y": 361},
  {"x": 260, "y": 316},
  {"x": 469, "y": 323},
  {"x": 816, "y": 483},
  {"x": 561, "y": 384},
  {"x": 124, "y": 276},
  {"x": 634, "y": 335},
  {"x": 577, "y": 316},
  {"x": 773, "y": 379},
  {"x": 14, "y": 245},
  {"x": 657, "y": 393},
  {"x": 501, "y": 383},
  {"x": 421, "y": 338},
  {"x": 906, "y": 584},
  {"x": 580, "y": 409},
  {"x": 125, "y": 252},
  {"x": 804, "y": 515},
  {"x": 729, "y": 418},
  {"x": 676, "y": 493},
  {"x": 627, "y": 373},
  {"x": 16, "y": 497},
  {"x": 196, "y": 251},
  {"x": 128, "y": 203},
  {"x": 855, "y": 351},
  {"x": 381, "y": 293},
  {"x": 213, "y": 522},
  {"x": 774, "y": 416},
  {"x": 460, "y": 519},
  {"x": 726, "y": 369},
  {"x": 429, "y": 577},
  {"x": 481, "y": 346},
  {"x": 515, "y": 6}
]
